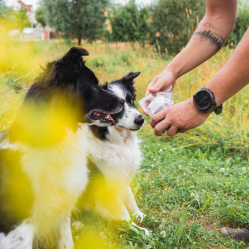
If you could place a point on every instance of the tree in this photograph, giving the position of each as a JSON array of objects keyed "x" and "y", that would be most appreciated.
[
  {"x": 174, "y": 22},
  {"x": 242, "y": 24},
  {"x": 22, "y": 19},
  {"x": 130, "y": 24},
  {"x": 76, "y": 18},
  {"x": 40, "y": 16},
  {"x": 2, "y": 7}
]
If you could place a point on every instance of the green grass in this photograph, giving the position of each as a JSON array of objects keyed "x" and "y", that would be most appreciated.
[{"x": 180, "y": 185}]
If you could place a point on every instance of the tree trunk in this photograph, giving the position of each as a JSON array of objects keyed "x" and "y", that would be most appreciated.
[
  {"x": 79, "y": 39},
  {"x": 79, "y": 26}
]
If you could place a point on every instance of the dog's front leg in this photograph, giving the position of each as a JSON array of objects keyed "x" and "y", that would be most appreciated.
[
  {"x": 131, "y": 204},
  {"x": 65, "y": 235}
]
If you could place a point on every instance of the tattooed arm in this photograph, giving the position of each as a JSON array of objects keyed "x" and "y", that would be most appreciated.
[
  {"x": 207, "y": 40},
  {"x": 227, "y": 82}
]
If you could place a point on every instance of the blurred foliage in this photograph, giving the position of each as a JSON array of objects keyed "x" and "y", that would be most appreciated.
[
  {"x": 130, "y": 23},
  {"x": 21, "y": 19},
  {"x": 10, "y": 19},
  {"x": 2, "y": 7},
  {"x": 242, "y": 24},
  {"x": 174, "y": 21},
  {"x": 78, "y": 18},
  {"x": 40, "y": 16}
]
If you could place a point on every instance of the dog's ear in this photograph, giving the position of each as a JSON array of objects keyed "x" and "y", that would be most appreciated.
[
  {"x": 75, "y": 53},
  {"x": 66, "y": 69},
  {"x": 73, "y": 59},
  {"x": 130, "y": 77},
  {"x": 127, "y": 81}
]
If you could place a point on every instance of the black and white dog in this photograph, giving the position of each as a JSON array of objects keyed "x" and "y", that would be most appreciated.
[
  {"x": 115, "y": 152},
  {"x": 43, "y": 155}
]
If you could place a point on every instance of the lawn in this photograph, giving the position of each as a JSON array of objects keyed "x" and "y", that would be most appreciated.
[{"x": 190, "y": 185}]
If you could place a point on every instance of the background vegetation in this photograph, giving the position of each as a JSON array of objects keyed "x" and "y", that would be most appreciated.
[
  {"x": 166, "y": 24},
  {"x": 136, "y": 26},
  {"x": 78, "y": 18},
  {"x": 175, "y": 21}
]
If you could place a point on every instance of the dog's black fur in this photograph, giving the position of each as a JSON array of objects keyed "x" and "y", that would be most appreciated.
[{"x": 67, "y": 79}]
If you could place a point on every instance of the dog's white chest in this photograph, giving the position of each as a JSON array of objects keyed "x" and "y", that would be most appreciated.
[
  {"x": 58, "y": 176},
  {"x": 117, "y": 157}
]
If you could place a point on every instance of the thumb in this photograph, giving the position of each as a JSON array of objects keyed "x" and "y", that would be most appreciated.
[{"x": 160, "y": 85}]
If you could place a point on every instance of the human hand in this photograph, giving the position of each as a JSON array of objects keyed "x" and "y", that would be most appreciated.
[
  {"x": 180, "y": 117},
  {"x": 161, "y": 82}
]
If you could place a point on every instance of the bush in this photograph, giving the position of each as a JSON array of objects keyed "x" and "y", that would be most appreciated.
[
  {"x": 242, "y": 24},
  {"x": 2, "y": 6},
  {"x": 174, "y": 21},
  {"x": 130, "y": 23}
]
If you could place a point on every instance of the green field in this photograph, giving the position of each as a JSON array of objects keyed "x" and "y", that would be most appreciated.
[{"x": 190, "y": 185}]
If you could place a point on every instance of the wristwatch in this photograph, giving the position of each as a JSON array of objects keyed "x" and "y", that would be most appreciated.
[{"x": 204, "y": 100}]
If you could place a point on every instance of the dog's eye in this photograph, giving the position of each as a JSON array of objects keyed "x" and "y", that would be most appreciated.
[
  {"x": 94, "y": 87},
  {"x": 130, "y": 100}
]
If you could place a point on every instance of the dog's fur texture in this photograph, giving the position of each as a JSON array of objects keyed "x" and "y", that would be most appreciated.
[
  {"x": 115, "y": 152},
  {"x": 41, "y": 177}
]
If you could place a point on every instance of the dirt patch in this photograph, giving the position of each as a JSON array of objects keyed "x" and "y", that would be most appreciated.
[{"x": 204, "y": 223}]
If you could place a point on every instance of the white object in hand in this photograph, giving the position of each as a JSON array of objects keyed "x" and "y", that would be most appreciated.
[{"x": 157, "y": 102}]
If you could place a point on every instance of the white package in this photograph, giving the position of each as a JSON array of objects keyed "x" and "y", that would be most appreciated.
[{"x": 156, "y": 102}]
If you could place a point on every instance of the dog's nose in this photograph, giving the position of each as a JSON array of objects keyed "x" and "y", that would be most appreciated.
[
  {"x": 139, "y": 120},
  {"x": 122, "y": 101}
]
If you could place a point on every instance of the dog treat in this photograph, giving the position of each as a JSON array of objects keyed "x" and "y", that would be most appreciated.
[{"x": 156, "y": 102}]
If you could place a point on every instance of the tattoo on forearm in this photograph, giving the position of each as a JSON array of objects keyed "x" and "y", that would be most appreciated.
[{"x": 216, "y": 39}]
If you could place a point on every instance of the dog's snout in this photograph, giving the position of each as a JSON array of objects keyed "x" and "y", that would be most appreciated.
[
  {"x": 122, "y": 101},
  {"x": 139, "y": 120}
]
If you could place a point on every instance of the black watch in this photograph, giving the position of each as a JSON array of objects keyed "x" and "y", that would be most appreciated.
[{"x": 204, "y": 100}]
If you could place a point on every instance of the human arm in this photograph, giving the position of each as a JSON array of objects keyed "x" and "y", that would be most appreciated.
[
  {"x": 208, "y": 38},
  {"x": 227, "y": 82}
]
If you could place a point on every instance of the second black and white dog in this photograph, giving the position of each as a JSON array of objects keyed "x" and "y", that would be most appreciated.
[{"x": 115, "y": 152}]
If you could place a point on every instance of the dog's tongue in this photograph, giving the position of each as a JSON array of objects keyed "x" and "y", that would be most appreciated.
[{"x": 110, "y": 118}]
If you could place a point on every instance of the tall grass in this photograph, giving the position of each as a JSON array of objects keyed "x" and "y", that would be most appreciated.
[
  {"x": 180, "y": 185},
  {"x": 20, "y": 62}
]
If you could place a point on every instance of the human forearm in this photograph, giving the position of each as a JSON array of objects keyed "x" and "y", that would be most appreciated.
[
  {"x": 208, "y": 38},
  {"x": 234, "y": 75}
]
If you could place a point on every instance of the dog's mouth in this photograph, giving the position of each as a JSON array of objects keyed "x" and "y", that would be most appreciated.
[{"x": 101, "y": 117}]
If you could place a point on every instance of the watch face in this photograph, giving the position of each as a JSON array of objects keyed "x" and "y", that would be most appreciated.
[{"x": 203, "y": 99}]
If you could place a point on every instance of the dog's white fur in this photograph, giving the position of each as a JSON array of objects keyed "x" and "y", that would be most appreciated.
[
  {"x": 58, "y": 175},
  {"x": 118, "y": 158}
]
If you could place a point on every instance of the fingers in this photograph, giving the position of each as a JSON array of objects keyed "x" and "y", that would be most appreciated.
[
  {"x": 159, "y": 85},
  {"x": 158, "y": 117},
  {"x": 173, "y": 130},
  {"x": 161, "y": 127},
  {"x": 145, "y": 113},
  {"x": 153, "y": 82},
  {"x": 160, "y": 122}
]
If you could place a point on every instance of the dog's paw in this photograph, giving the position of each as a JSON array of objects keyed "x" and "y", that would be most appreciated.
[
  {"x": 146, "y": 231},
  {"x": 140, "y": 216}
]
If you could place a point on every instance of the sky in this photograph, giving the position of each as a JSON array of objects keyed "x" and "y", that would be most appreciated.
[{"x": 34, "y": 2}]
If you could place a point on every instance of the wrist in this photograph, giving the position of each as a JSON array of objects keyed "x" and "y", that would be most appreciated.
[
  {"x": 218, "y": 98},
  {"x": 173, "y": 70}
]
